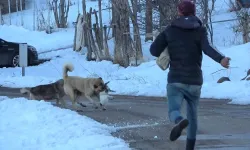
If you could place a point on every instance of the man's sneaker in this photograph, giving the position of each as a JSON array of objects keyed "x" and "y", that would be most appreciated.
[{"x": 176, "y": 131}]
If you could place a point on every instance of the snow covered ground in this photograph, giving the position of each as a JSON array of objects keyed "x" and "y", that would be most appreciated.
[{"x": 29, "y": 125}]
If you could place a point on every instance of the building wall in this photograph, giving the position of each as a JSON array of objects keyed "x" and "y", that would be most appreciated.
[{"x": 13, "y": 8}]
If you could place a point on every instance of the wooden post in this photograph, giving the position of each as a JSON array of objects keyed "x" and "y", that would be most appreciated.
[{"x": 23, "y": 57}]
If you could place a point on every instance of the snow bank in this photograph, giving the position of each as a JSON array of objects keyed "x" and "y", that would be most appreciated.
[
  {"x": 29, "y": 125},
  {"x": 41, "y": 40}
]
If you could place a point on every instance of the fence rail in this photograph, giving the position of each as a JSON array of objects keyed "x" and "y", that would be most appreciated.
[{"x": 219, "y": 21}]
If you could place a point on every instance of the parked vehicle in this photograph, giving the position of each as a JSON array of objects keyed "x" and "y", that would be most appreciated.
[{"x": 9, "y": 54}]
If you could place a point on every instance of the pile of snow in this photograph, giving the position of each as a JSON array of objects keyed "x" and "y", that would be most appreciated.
[
  {"x": 41, "y": 40},
  {"x": 27, "y": 125}
]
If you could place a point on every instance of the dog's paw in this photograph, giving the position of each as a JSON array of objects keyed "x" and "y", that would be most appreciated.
[
  {"x": 111, "y": 97},
  {"x": 83, "y": 105},
  {"x": 79, "y": 110}
]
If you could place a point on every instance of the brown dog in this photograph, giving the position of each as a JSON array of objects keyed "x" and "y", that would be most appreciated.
[
  {"x": 88, "y": 87},
  {"x": 104, "y": 96}
]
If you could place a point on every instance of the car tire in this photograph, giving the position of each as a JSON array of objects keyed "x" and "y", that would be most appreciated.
[
  {"x": 30, "y": 61},
  {"x": 15, "y": 60}
]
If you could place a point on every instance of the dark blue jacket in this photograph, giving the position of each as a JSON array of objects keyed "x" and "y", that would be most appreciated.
[{"x": 185, "y": 38}]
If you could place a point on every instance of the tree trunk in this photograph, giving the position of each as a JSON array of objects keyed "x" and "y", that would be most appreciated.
[
  {"x": 98, "y": 35},
  {"x": 138, "y": 55},
  {"x": 48, "y": 30},
  {"x": 61, "y": 13},
  {"x": 91, "y": 45},
  {"x": 245, "y": 26},
  {"x": 149, "y": 21},
  {"x": 21, "y": 11},
  {"x": 9, "y": 11},
  {"x": 55, "y": 10},
  {"x": 210, "y": 24},
  {"x": 113, "y": 19},
  {"x": 17, "y": 4},
  {"x": 168, "y": 11},
  {"x": 1, "y": 7},
  {"x": 101, "y": 25},
  {"x": 34, "y": 15},
  {"x": 205, "y": 12},
  {"x": 88, "y": 30},
  {"x": 206, "y": 15},
  {"x": 105, "y": 44},
  {"x": 61, "y": 17},
  {"x": 84, "y": 21},
  {"x": 161, "y": 22},
  {"x": 122, "y": 35}
]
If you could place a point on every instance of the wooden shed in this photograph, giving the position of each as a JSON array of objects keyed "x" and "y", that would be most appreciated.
[{"x": 13, "y": 5}]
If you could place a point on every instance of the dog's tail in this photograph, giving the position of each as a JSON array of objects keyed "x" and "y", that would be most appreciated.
[
  {"x": 24, "y": 90},
  {"x": 66, "y": 68}
]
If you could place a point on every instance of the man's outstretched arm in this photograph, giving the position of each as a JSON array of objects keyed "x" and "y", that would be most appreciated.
[{"x": 208, "y": 50}]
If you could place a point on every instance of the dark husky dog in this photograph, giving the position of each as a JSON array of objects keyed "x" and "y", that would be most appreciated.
[{"x": 52, "y": 91}]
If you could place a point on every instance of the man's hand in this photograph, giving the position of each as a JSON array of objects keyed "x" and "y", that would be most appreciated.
[{"x": 225, "y": 62}]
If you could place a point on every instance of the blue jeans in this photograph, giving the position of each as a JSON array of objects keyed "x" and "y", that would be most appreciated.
[{"x": 176, "y": 92}]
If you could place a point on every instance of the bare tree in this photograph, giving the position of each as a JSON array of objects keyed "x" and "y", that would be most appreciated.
[
  {"x": 48, "y": 30},
  {"x": 168, "y": 11},
  {"x": 114, "y": 15},
  {"x": 21, "y": 9},
  {"x": 137, "y": 38},
  {"x": 121, "y": 33},
  {"x": 98, "y": 36},
  {"x": 61, "y": 15},
  {"x": 243, "y": 18},
  {"x": 34, "y": 15},
  {"x": 101, "y": 25},
  {"x": 17, "y": 4},
  {"x": 149, "y": 21},
  {"x": 1, "y": 17},
  {"x": 206, "y": 15},
  {"x": 84, "y": 21},
  {"x": 105, "y": 44},
  {"x": 91, "y": 46},
  {"x": 9, "y": 11}
]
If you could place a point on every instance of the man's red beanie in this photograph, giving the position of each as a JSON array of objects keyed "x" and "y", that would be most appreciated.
[{"x": 186, "y": 7}]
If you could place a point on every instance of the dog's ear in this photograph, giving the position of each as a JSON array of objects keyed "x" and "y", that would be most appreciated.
[
  {"x": 107, "y": 83},
  {"x": 100, "y": 78},
  {"x": 111, "y": 90},
  {"x": 95, "y": 86}
]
